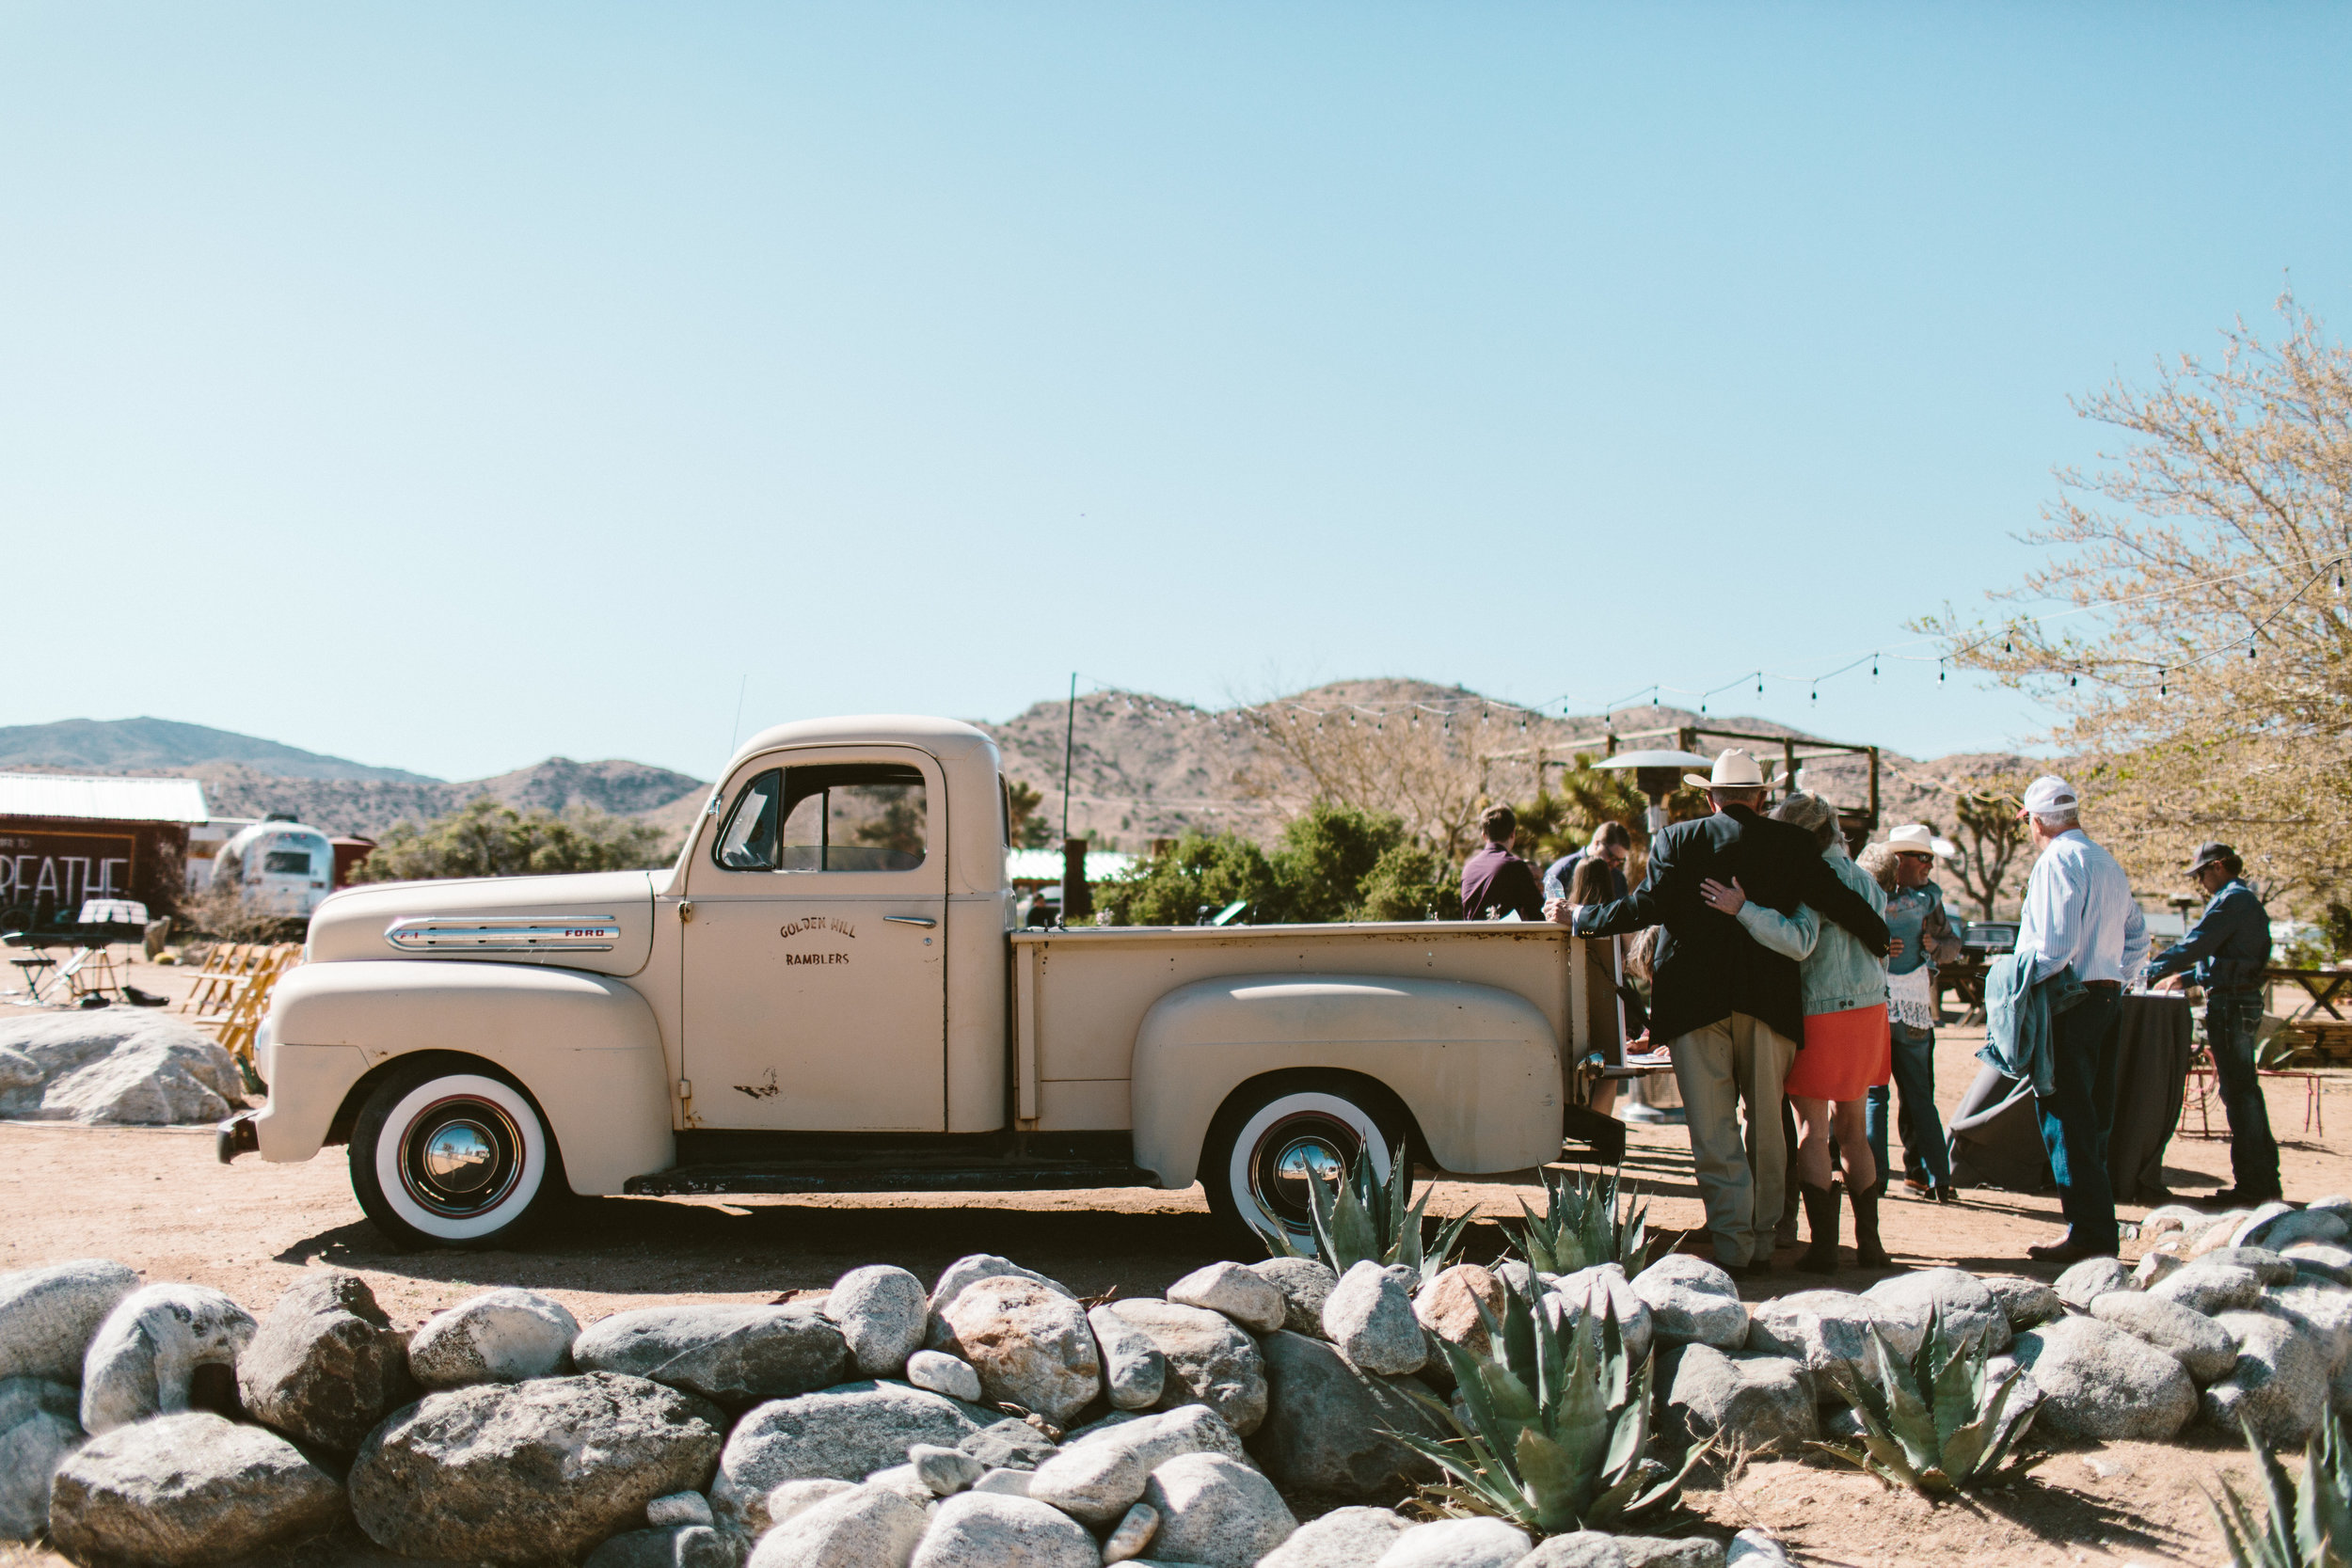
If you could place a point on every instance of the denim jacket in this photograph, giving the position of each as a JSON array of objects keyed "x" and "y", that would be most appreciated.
[
  {"x": 1837, "y": 971},
  {"x": 2228, "y": 946},
  {"x": 2018, "y": 1010}
]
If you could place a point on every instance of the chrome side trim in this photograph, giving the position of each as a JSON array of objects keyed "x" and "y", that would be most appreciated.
[
  {"x": 923, "y": 920},
  {"x": 594, "y": 933}
]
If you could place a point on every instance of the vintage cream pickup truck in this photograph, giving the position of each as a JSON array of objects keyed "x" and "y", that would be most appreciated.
[{"x": 826, "y": 993}]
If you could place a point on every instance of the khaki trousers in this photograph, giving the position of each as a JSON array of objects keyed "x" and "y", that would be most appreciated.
[{"x": 1737, "y": 1062}]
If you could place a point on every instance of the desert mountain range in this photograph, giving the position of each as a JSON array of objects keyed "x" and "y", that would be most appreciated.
[{"x": 1142, "y": 767}]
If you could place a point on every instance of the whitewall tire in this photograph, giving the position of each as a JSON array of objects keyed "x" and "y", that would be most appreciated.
[
  {"x": 1274, "y": 1137},
  {"x": 449, "y": 1158}
]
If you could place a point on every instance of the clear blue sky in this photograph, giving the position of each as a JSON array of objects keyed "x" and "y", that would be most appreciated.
[{"x": 449, "y": 385}]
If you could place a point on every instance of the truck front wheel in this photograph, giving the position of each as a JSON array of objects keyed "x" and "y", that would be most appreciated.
[
  {"x": 1278, "y": 1134},
  {"x": 443, "y": 1158}
]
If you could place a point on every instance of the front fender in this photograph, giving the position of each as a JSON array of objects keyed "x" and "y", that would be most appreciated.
[
  {"x": 1478, "y": 1067},
  {"x": 585, "y": 1046}
]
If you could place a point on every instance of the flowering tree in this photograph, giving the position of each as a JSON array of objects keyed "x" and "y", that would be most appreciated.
[{"x": 2204, "y": 668}]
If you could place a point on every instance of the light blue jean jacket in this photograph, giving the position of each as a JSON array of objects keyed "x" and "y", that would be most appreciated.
[{"x": 1837, "y": 970}]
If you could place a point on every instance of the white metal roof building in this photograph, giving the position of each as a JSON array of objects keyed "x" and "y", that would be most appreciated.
[
  {"x": 62, "y": 796},
  {"x": 1044, "y": 865}
]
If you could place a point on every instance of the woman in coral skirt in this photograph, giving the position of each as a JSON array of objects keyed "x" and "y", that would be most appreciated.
[{"x": 1846, "y": 1048}]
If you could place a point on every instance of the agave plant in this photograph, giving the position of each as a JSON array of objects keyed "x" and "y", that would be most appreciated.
[
  {"x": 2310, "y": 1526},
  {"x": 1367, "y": 1217},
  {"x": 1939, "y": 1422},
  {"x": 1584, "y": 1223},
  {"x": 1553, "y": 1429}
]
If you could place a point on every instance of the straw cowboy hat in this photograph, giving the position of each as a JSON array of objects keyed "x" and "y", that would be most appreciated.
[
  {"x": 1917, "y": 838},
  {"x": 1734, "y": 770}
]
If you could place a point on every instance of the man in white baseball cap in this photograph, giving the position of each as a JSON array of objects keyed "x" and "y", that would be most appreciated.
[{"x": 2080, "y": 914}]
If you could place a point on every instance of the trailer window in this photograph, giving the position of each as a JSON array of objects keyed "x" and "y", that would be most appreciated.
[
  {"x": 747, "y": 841},
  {"x": 854, "y": 817},
  {"x": 286, "y": 863}
]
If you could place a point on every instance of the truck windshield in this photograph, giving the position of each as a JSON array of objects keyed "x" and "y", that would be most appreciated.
[{"x": 748, "y": 841}]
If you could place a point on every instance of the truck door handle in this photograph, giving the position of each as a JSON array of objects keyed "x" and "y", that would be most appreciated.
[{"x": 923, "y": 920}]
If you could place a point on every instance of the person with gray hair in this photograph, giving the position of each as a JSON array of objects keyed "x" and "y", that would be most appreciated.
[
  {"x": 1846, "y": 1042},
  {"x": 2079, "y": 915}
]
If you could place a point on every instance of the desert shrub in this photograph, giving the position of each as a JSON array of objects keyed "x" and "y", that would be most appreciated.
[
  {"x": 1198, "y": 869},
  {"x": 1332, "y": 863}
]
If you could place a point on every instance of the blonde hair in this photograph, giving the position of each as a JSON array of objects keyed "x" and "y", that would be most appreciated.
[
  {"x": 1878, "y": 860},
  {"x": 1641, "y": 954}
]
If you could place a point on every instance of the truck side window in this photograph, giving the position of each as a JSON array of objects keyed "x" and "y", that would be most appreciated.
[
  {"x": 854, "y": 817},
  {"x": 747, "y": 842}
]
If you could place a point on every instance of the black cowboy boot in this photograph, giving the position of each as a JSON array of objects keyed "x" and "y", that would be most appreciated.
[
  {"x": 1821, "y": 1217},
  {"x": 1866, "y": 1250}
]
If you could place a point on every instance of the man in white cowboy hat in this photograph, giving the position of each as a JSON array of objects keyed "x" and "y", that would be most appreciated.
[
  {"x": 1729, "y": 1011},
  {"x": 2079, "y": 912},
  {"x": 1923, "y": 938}
]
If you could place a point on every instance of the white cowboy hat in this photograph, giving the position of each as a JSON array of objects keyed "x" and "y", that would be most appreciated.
[
  {"x": 1734, "y": 770},
  {"x": 1917, "y": 838}
]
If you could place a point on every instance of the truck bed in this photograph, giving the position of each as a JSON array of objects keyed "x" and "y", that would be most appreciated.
[{"x": 1079, "y": 995}]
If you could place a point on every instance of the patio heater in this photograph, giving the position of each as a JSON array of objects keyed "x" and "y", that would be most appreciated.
[{"x": 1657, "y": 774}]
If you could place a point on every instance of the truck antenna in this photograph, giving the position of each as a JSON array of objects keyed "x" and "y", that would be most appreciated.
[{"x": 736, "y": 728}]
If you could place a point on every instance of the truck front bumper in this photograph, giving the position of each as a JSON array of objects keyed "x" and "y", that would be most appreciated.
[{"x": 237, "y": 1136}]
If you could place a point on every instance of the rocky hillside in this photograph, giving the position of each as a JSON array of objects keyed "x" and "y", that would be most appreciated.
[
  {"x": 1146, "y": 767},
  {"x": 1142, "y": 767},
  {"x": 164, "y": 746},
  {"x": 369, "y": 807}
]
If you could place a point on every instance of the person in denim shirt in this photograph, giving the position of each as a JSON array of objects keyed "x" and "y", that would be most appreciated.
[
  {"x": 2226, "y": 954},
  {"x": 1905, "y": 868}
]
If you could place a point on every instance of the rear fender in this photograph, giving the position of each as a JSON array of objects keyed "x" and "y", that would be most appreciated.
[
  {"x": 585, "y": 1047},
  {"x": 1478, "y": 1068}
]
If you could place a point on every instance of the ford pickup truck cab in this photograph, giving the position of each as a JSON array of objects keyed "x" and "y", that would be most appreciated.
[{"x": 826, "y": 992}]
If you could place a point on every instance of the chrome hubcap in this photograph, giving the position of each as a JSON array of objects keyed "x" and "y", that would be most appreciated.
[
  {"x": 1295, "y": 1152},
  {"x": 459, "y": 1157}
]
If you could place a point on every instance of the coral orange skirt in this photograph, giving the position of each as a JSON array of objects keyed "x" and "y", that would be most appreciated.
[{"x": 1845, "y": 1054}]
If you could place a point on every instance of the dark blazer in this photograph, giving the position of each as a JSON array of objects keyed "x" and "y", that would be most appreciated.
[{"x": 1707, "y": 966}]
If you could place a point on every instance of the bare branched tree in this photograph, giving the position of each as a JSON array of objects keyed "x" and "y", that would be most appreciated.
[{"x": 2205, "y": 670}]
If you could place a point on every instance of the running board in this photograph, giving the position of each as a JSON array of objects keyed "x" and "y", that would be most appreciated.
[{"x": 1059, "y": 1176}]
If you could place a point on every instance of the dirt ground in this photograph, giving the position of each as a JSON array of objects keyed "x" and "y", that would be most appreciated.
[{"x": 159, "y": 1201}]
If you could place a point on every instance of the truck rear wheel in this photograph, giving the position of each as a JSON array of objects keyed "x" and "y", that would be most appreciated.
[
  {"x": 1278, "y": 1134},
  {"x": 450, "y": 1158}
]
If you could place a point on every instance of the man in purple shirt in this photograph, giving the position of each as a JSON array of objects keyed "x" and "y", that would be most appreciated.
[{"x": 1496, "y": 883}]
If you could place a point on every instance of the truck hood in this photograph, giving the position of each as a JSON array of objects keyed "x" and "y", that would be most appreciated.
[{"x": 599, "y": 921}]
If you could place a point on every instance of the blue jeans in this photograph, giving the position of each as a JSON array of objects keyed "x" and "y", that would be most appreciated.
[
  {"x": 2231, "y": 1019},
  {"x": 2078, "y": 1114},
  {"x": 1926, "y": 1153}
]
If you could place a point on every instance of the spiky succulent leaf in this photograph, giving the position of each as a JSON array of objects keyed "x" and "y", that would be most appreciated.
[{"x": 1554, "y": 1481}]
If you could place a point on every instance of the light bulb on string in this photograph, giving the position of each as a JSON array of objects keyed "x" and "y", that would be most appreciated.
[
  {"x": 2250, "y": 648},
  {"x": 1874, "y": 666},
  {"x": 1939, "y": 670}
]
